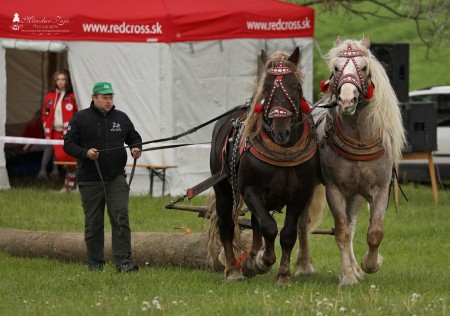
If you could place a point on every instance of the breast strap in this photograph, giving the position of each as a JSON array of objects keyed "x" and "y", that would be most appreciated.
[
  {"x": 347, "y": 147},
  {"x": 263, "y": 148}
]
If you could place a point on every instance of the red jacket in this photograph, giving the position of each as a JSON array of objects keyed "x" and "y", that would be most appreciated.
[{"x": 69, "y": 108}]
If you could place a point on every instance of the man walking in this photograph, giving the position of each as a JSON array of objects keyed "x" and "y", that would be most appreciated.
[{"x": 101, "y": 174}]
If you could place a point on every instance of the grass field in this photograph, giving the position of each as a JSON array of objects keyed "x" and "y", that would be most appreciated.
[{"x": 414, "y": 279}]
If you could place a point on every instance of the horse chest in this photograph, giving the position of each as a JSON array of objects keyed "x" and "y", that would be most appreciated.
[
  {"x": 275, "y": 181},
  {"x": 354, "y": 176}
]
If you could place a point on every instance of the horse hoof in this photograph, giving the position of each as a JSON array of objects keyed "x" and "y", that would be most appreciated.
[
  {"x": 260, "y": 267},
  {"x": 371, "y": 267},
  {"x": 305, "y": 270},
  {"x": 234, "y": 276},
  {"x": 283, "y": 280},
  {"x": 349, "y": 280},
  {"x": 247, "y": 269}
]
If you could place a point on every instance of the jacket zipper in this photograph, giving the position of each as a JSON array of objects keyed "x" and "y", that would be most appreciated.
[{"x": 106, "y": 137}]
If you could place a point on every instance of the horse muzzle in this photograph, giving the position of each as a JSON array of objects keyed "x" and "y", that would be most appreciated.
[
  {"x": 281, "y": 137},
  {"x": 348, "y": 98}
]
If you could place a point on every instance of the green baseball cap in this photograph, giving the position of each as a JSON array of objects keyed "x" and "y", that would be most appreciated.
[{"x": 102, "y": 88}]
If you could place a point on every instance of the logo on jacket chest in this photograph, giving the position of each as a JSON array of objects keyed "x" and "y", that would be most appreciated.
[{"x": 115, "y": 127}]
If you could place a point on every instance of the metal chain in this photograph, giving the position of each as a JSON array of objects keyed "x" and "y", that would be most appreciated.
[{"x": 238, "y": 125}]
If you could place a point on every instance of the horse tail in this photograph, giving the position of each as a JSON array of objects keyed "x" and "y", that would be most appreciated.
[
  {"x": 214, "y": 234},
  {"x": 315, "y": 210}
]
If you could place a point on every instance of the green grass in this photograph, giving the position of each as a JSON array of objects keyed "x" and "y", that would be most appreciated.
[{"x": 414, "y": 279}]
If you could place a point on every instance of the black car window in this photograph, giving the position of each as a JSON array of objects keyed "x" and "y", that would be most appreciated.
[{"x": 443, "y": 109}]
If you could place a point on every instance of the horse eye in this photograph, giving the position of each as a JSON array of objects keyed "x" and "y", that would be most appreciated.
[
  {"x": 364, "y": 68},
  {"x": 336, "y": 69}
]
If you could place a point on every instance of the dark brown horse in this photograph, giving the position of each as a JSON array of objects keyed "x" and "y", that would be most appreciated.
[{"x": 269, "y": 154}]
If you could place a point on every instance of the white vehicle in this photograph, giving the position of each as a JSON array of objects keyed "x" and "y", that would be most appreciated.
[{"x": 417, "y": 171}]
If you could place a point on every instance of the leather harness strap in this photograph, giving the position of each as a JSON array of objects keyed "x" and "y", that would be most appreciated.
[
  {"x": 263, "y": 148},
  {"x": 348, "y": 147},
  {"x": 202, "y": 186}
]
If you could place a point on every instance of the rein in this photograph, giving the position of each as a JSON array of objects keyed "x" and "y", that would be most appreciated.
[
  {"x": 190, "y": 131},
  {"x": 175, "y": 137}
]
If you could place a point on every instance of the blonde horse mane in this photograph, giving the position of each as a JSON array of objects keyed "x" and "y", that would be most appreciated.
[
  {"x": 253, "y": 122},
  {"x": 384, "y": 114}
]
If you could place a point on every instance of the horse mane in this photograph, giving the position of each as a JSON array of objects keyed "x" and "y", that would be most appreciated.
[
  {"x": 253, "y": 122},
  {"x": 384, "y": 114}
]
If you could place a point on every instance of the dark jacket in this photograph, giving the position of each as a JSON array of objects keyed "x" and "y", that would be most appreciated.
[{"x": 90, "y": 128}]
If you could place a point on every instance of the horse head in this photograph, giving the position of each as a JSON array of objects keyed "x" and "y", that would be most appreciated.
[
  {"x": 349, "y": 63},
  {"x": 281, "y": 94}
]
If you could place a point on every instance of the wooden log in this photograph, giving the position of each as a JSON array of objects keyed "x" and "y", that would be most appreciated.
[{"x": 188, "y": 250}]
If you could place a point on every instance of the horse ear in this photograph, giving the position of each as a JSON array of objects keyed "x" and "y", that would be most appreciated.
[
  {"x": 366, "y": 41},
  {"x": 295, "y": 57},
  {"x": 264, "y": 56},
  {"x": 338, "y": 41}
]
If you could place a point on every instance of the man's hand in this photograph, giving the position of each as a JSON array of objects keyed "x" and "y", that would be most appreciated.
[
  {"x": 92, "y": 154},
  {"x": 136, "y": 153}
]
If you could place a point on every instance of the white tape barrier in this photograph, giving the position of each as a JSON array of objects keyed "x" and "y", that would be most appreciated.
[
  {"x": 41, "y": 141},
  {"x": 33, "y": 141}
]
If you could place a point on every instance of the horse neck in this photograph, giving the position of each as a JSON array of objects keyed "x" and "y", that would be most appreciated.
[{"x": 357, "y": 126}]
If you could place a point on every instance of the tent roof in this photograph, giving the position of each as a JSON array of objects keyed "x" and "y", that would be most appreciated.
[{"x": 155, "y": 20}]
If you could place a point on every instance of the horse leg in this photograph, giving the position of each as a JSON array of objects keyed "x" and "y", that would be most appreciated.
[
  {"x": 224, "y": 206},
  {"x": 288, "y": 236},
  {"x": 353, "y": 209},
  {"x": 265, "y": 258},
  {"x": 248, "y": 267},
  {"x": 309, "y": 217},
  {"x": 372, "y": 260},
  {"x": 343, "y": 234},
  {"x": 303, "y": 263}
]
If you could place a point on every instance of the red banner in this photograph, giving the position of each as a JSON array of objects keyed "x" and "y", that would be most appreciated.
[{"x": 160, "y": 21}]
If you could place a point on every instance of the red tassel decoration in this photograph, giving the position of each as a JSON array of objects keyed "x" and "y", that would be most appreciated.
[
  {"x": 305, "y": 106},
  {"x": 324, "y": 85},
  {"x": 369, "y": 93},
  {"x": 258, "y": 108}
]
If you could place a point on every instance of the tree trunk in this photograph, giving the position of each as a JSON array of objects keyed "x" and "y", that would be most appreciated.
[{"x": 188, "y": 250}]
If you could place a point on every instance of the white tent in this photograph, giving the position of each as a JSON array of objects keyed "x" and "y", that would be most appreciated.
[{"x": 167, "y": 83}]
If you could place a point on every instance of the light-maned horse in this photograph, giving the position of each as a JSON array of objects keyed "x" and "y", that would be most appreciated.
[
  {"x": 360, "y": 140},
  {"x": 271, "y": 160}
]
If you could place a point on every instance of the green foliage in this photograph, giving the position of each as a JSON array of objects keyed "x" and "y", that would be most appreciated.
[
  {"x": 427, "y": 67},
  {"x": 413, "y": 280}
]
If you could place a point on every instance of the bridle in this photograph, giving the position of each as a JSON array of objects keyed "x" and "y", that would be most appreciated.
[
  {"x": 273, "y": 112},
  {"x": 358, "y": 81}
]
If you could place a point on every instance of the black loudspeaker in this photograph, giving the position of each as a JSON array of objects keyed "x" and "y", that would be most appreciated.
[
  {"x": 395, "y": 59},
  {"x": 419, "y": 121}
]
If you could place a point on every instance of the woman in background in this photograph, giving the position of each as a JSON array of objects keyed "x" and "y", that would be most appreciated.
[{"x": 59, "y": 107}]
